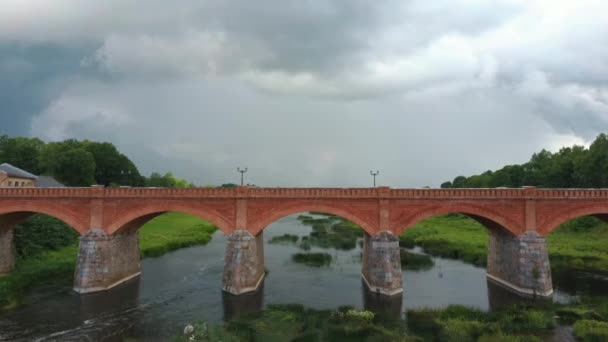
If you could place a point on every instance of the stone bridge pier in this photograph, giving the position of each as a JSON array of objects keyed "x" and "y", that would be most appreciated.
[
  {"x": 381, "y": 264},
  {"x": 243, "y": 262},
  {"x": 7, "y": 249},
  {"x": 105, "y": 261},
  {"x": 519, "y": 263}
]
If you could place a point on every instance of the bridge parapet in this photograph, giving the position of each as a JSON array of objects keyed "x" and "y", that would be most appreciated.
[
  {"x": 252, "y": 192},
  {"x": 45, "y": 192}
]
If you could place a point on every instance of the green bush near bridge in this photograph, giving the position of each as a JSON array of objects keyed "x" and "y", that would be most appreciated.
[{"x": 163, "y": 234}]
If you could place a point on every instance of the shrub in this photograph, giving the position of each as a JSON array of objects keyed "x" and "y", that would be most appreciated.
[
  {"x": 41, "y": 233},
  {"x": 414, "y": 261},
  {"x": 461, "y": 331},
  {"x": 312, "y": 259},
  {"x": 591, "y": 331}
]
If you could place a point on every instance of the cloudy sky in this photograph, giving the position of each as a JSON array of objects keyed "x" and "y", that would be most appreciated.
[{"x": 308, "y": 93}]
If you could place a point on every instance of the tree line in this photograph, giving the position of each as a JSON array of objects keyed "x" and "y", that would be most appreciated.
[
  {"x": 570, "y": 167},
  {"x": 80, "y": 163}
]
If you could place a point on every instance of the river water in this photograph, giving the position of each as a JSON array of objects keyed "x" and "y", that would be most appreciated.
[{"x": 185, "y": 286}]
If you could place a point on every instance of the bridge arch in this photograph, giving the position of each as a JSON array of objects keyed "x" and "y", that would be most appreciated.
[
  {"x": 270, "y": 216},
  {"x": 135, "y": 218},
  {"x": 487, "y": 217},
  {"x": 554, "y": 221},
  {"x": 59, "y": 212}
]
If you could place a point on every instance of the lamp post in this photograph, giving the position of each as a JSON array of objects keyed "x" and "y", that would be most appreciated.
[
  {"x": 374, "y": 174},
  {"x": 242, "y": 171}
]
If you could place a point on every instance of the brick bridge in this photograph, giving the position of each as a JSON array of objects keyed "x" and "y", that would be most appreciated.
[{"x": 108, "y": 220}]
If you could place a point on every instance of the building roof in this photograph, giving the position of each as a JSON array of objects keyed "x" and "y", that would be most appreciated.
[
  {"x": 13, "y": 171},
  {"x": 48, "y": 182}
]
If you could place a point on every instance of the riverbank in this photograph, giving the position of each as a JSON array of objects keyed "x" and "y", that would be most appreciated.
[
  {"x": 576, "y": 245},
  {"x": 161, "y": 235}
]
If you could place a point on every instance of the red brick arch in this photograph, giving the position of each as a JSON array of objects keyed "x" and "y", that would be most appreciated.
[
  {"x": 147, "y": 212},
  {"x": 73, "y": 219},
  {"x": 484, "y": 214},
  {"x": 566, "y": 215},
  {"x": 266, "y": 216}
]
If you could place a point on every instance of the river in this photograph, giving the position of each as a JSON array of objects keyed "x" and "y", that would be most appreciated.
[{"x": 185, "y": 286}]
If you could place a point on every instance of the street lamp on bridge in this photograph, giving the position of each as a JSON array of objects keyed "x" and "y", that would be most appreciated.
[
  {"x": 374, "y": 174},
  {"x": 242, "y": 171}
]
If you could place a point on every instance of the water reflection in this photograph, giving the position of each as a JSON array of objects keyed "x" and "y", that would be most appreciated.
[
  {"x": 243, "y": 304},
  {"x": 579, "y": 283},
  {"x": 388, "y": 308},
  {"x": 500, "y": 297}
]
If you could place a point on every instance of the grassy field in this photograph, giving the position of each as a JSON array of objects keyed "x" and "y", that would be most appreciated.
[
  {"x": 163, "y": 234},
  {"x": 574, "y": 245}
]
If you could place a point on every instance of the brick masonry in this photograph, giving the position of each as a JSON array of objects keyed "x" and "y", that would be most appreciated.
[
  {"x": 7, "y": 250},
  {"x": 117, "y": 211},
  {"x": 381, "y": 264},
  {"x": 520, "y": 263},
  {"x": 243, "y": 262},
  {"x": 105, "y": 261}
]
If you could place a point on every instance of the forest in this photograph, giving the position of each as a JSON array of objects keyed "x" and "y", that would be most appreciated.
[
  {"x": 570, "y": 167},
  {"x": 80, "y": 163}
]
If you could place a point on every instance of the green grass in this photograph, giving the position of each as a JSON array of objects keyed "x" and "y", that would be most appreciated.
[
  {"x": 173, "y": 231},
  {"x": 581, "y": 249},
  {"x": 570, "y": 246},
  {"x": 163, "y": 234},
  {"x": 452, "y": 236}
]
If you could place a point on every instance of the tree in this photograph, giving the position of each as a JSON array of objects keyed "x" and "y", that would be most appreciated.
[
  {"x": 111, "y": 166},
  {"x": 595, "y": 164},
  {"x": 459, "y": 182},
  {"x": 21, "y": 152},
  {"x": 570, "y": 167},
  {"x": 446, "y": 185},
  {"x": 76, "y": 167},
  {"x": 167, "y": 181}
]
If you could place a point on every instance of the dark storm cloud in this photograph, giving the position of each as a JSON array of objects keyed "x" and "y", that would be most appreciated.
[
  {"x": 309, "y": 92},
  {"x": 31, "y": 76}
]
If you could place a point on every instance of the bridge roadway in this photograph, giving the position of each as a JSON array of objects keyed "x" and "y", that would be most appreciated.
[{"x": 108, "y": 219}]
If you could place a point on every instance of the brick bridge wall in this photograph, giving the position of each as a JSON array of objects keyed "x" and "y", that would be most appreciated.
[{"x": 108, "y": 219}]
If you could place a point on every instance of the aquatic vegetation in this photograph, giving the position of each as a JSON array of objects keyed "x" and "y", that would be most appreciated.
[
  {"x": 312, "y": 259},
  {"x": 363, "y": 315},
  {"x": 330, "y": 232},
  {"x": 459, "y": 323},
  {"x": 284, "y": 239},
  {"x": 415, "y": 261},
  {"x": 295, "y": 323}
]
